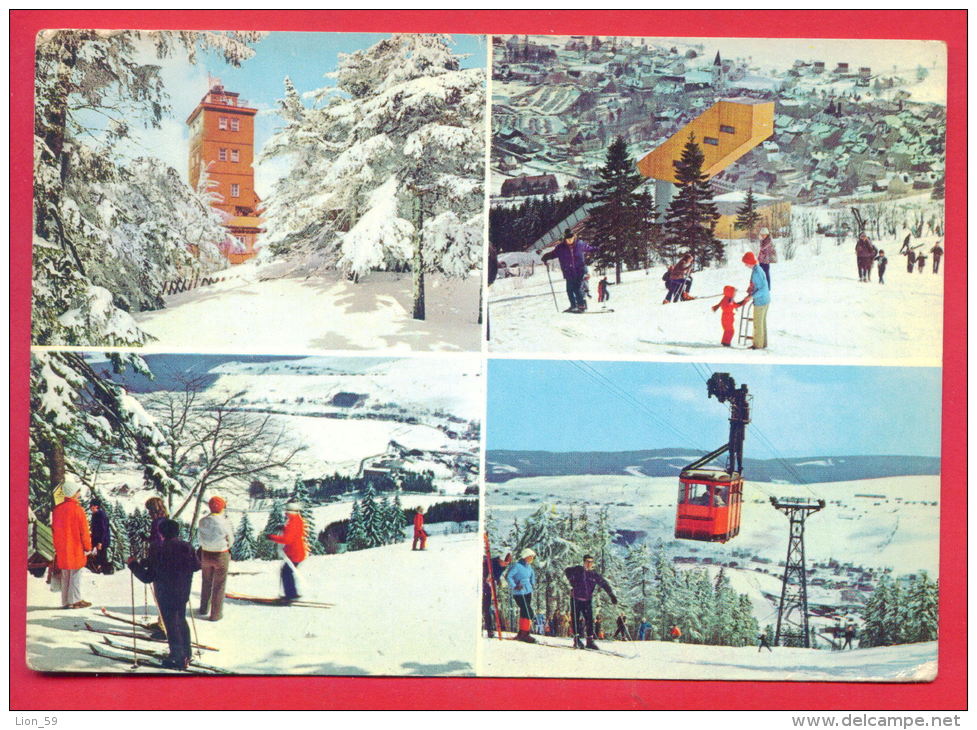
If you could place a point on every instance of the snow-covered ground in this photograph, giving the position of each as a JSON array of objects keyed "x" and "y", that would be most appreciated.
[
  {"x": 293, "y": 313},
  {"x": 395, "y": 612},
  {"x": 819, "y": 312},
  {"x": 667, "y": 660}
]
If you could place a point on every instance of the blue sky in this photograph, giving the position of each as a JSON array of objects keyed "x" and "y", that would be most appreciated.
[
  {"x": 304, "y": 57},
  {"x": 551, "y": 405}
]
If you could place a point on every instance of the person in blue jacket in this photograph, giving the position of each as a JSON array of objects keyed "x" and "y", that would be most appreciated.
[
  {"x": 759, "y": 292},
  {"x": 522, "y": 580},
  {"x": 572, "y": 256}
]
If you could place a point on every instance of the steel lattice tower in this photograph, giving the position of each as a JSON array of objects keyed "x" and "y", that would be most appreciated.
[{"x": 792, "y": 629}]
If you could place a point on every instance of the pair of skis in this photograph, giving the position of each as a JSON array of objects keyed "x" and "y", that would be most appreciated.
[
  {"x": 263, "y": 601},
  {"x": 121, "y": 653}
]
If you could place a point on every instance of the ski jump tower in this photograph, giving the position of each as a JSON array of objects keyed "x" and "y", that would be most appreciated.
[
  {"x": 792, "y": 622},
  {"x": 725, "y": 132},
  {"x": 222, "y": 143}
]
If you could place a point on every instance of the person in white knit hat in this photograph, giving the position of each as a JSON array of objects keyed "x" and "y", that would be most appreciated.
[{"x": 72, "y": 542}]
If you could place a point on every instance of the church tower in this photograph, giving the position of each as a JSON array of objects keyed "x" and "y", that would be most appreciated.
[
  {"x": 718, "y": 75},
  {"x": 222, "y": 143}
]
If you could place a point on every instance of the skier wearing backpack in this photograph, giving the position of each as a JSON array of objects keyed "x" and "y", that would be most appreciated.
[{"x": 584, "y": 580}]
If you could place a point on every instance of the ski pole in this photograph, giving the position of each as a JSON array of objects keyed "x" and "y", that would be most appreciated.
[
  {"x": 552, "y": 291},
  {"x": 132, "y": 605}
]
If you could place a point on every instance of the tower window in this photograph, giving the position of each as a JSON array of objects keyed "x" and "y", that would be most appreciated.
[
  {"x": 222, "y": 154},
  {"x": 727, "y": 129},
  {"x": 235, "y": 125},
  {"x": 235, "y": 156},
  {"x": 222, "y": 122},
  {"x": 235, "y": 190},
  {"x": 710, "y": 140}
]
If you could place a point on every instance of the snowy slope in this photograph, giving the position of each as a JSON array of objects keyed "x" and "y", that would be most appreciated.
[
  {"x": 819, "y": 312},
  {"x": 667, "y": 660},
  {"x": 396, "y": 612},
  {"x": 324, "y": 312}
]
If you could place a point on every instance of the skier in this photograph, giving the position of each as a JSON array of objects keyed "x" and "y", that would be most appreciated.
[
  {"x": 571, "y": 254},
  {"x": 865, "y": 254},
  {"x": 170, "y": 567},
  {"x": 295, "y": 550},
  {"x": 676, "y": 633},
  {"x": 883, "y": 262},
  {"x": 420, "y": 536},
  {"x": 763, "y": 644},
  {"x": 216, "y": 536},
  {"x": 678, "y": 280},
  {"x": 488, "y": 610},
  {"x": 158, "y": 515},
  {"x": 849, "y": 635},
  {"x": 522, "y": 580},
  {"x": 759, "y": 292},
  {"x": 644, "y": 630},
  {"x": 101, "y": 534},
  {"x": 920, "y": 261},
  {"x": 768, "y": 254},
  {"x": 621, "y": 630},
  {"x": 728, "y": 305},
  {"x": 937, "y": 252},
  {"x": 602, "y": 294},
  {"x": 583, "y": 582},
  {"x": 72, "y": 543}
]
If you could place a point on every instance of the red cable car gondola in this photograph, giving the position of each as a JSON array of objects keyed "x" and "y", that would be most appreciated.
[{"x": 710, "y": 499}]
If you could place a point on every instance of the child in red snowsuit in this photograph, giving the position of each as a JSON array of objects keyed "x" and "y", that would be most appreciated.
[{"x": 728, "y": 304}]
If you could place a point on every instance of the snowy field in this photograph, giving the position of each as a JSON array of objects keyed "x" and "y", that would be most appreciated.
[
  {"x": 322, "y": 312},
  {"x": 396, "y": 612},
  {"x": 819, "y": 313},
  {"x": 900, "y": 530},
  {"x": 666, "y": 660}
]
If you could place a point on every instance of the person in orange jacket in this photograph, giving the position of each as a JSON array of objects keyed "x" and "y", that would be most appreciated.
[
  {"x": 676, "y": 633},
  {"x": 729, "y": 305},
  {"x": 419, "y": 534},
  {"x": 72, "y": 543},
  {"x": 293, "y": 540}
]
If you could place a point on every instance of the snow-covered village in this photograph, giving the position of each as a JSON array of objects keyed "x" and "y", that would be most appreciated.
[
  {"x": 647, "y": 150},
  {"x": 361, "y": 449},
  {"x": 274, "y": 191},
  {"x": 816, "y": 556}
]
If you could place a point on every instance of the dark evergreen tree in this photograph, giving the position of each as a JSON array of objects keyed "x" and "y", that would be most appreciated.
[
  {"x": 119, "y": 547},
  {"x": 622, "y": 224},
  {"x": 355, "y": 532},
  {"x": 138, "y": 525},
  {"x": 245, "y": 546},
  {"x": 879, "y": 623},
  {"x": 747, "y": 217},
  {"x": 372, "y": 518},
  {"x": 690, "y": 220},
  {"x": 922, "y": 610},
  {"x": 301, "y": 494}
]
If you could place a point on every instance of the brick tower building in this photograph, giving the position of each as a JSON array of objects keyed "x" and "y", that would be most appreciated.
[{"x": 222, "y": 141}]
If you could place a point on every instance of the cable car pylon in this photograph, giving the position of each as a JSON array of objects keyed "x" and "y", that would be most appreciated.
[{"x": 792, "y": 616}]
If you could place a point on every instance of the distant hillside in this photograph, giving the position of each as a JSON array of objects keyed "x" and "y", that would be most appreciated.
[{"x": 503, "y": 465}]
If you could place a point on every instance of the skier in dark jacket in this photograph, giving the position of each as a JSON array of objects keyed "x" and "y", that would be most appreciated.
[
  {"x": 170, "y": 567},
  {"x": 488, "y": 607},
  {"x": 920, "y": 262},
  {"x": 101, "y": 539},
  {"x": 602, "y": 294},
  {"x": 849, "y": 635},
  {"x": 584, "y": 580},
  {"x": 937, "y": 252},
  {"x": 883, "y": 262},
  {"x": 763, "y": 644},
  {"x": 621, "y": 630},
  {"x": 571, "y": 254},
  {"x": 865, "y": 254}
]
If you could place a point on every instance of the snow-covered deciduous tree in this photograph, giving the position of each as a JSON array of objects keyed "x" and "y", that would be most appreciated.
[
  {"x": 93, "y": 88},
  {"x": 387, "y": 168}
]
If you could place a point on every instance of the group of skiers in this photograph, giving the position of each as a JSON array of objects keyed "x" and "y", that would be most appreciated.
[
  {"x": 867, "y": 255},
  {"x": 521, "y": 578},
  {"x": 167, "y": 563}
]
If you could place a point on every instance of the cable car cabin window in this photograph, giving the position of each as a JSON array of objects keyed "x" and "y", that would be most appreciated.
[{"x": 698, "y": 494}]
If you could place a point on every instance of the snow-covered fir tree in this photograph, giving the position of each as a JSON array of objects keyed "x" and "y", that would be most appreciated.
[
  {"x": 119, "y": 546},
  {"x": 622, "y": 225},
  {"x": 690, "y": 220},
  {"x": 93, "y": 88},
  {"x": 922, "y": 602},
  {"x": 387, "y": 168},
  {"x": 245, "y": 546},
  {"x": 355, "y": 532},
  {"x": 138, "y": 525},
  {"x": 267, "y": 549},
  {"x": 301, "y": 494}
]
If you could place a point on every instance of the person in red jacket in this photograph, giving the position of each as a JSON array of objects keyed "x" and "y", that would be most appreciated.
[
  {"x": 419, "y": 534},
  {"x": 676, "y": 633},
  {"x": 295, "y": 550},
  {"x": 729, "y": 306},
  {"x": 72, "y": 543}
]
